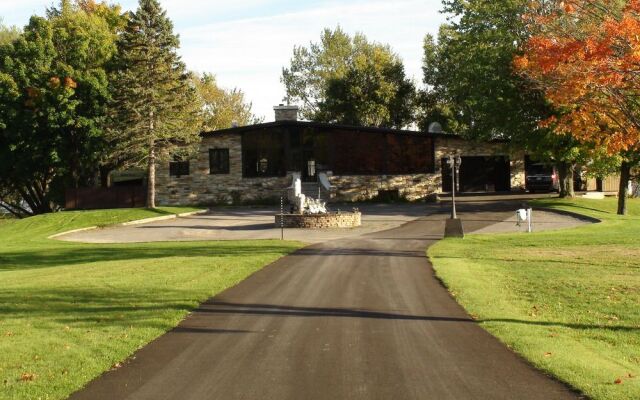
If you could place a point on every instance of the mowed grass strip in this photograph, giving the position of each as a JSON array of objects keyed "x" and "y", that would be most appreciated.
[
  {"x": 568, "y": 301},
  {"x": 5, "y": 218},
  {"x": 70, "y": 311}
]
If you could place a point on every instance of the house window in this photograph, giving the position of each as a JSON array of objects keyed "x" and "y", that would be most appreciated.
[
  {"x": 179, "y": 168},
  {"x": 219, "y": 161},
  {"x": 263, "y": 154}
]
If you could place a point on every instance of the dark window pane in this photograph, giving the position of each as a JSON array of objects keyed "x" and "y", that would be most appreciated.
[
  {"x": 357, "y": 153},
  {"x": 263, "y": 153},
  {"x": 179, "y": 168},
  {"x": 219, "y": 161},
  {"x": 409, "y": 154}
]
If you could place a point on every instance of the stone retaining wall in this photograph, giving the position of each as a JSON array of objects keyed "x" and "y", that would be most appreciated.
[
  {"x": 320, "y": 221},
  {"x": 353, "y": 188}
]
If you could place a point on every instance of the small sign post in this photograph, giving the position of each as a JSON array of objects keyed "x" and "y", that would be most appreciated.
[{"x": 281, "y": 218}]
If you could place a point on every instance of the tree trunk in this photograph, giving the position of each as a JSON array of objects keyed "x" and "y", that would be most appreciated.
[
  {"x": 623, "y": 191},
  {"x": 151, "y": 181},
  {"x": 151, "y": 184},
  {"x": 565, "y": 177},
  {"x": 104, "y": 175}
]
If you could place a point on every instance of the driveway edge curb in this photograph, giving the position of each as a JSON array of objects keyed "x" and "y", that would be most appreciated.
[
  {"x": 131, "y": 223},
  {"x": 90, "y": 228}
]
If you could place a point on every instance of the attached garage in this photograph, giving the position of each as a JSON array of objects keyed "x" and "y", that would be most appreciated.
[{"x": 480, "y": 174}]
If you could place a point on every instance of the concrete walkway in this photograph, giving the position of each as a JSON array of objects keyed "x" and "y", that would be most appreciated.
[
  {"x": 252, "y": 224},
  {"x": 357, "y": 318}
]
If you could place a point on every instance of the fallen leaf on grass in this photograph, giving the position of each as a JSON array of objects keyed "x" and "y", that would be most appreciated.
[
  {"x": 618, "y": 381},
  {"x": 548, "y": 354},
  {"x": 26, "y": 377}
]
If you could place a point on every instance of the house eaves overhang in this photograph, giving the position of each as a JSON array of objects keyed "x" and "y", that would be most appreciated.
[{"x": 307, "y": 124}]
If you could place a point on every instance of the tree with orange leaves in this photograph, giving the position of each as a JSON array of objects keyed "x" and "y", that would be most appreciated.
[{"x": 585, "y": 55}]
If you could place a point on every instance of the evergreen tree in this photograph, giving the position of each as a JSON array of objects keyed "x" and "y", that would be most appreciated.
[{"x": 155, "y": 111}]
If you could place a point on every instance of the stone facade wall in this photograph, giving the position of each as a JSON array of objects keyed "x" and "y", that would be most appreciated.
[
  {"x": 446, "y": 146},
  {"x": 366, "y": 187},
  {"x": 320, "y": 221},
  {"x": 202, "y": 188}
]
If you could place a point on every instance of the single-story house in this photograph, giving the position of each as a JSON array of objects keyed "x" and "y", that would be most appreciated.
[{"x": 256, "y": 163}]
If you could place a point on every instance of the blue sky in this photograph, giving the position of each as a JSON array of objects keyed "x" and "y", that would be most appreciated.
[{"x": 247, "y": 42}]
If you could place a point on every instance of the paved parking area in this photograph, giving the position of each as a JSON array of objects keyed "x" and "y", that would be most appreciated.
[{"x": 245, "y": 223}]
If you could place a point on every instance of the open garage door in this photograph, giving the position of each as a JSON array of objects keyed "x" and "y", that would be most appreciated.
[{"x": 480, "y": 174}]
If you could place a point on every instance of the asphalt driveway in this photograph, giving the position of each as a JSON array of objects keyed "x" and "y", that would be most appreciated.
[{"x": 357, "y": 318}]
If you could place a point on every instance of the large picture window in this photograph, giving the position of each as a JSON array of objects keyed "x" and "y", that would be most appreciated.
[
  {"x": 218, "y": 161},
  {"x": 274, "y": 151},
  {"x": 263, "y": 154}
]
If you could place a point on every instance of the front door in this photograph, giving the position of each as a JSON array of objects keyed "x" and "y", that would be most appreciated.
[{"x": 309, "y": 166}]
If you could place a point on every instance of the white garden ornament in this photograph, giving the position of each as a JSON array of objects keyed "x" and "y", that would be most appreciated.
[{"x": 302, "y": 203}]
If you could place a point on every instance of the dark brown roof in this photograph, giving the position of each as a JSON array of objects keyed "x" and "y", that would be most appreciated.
[{"x": 307, "y": 124}]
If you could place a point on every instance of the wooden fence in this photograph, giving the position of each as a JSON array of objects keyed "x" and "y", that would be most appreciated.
[{"x": 100, "y": 198}]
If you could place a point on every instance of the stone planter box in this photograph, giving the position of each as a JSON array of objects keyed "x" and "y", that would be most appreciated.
[{"x": 320, "y": 221}]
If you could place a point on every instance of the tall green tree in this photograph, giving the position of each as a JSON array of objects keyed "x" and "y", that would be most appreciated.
[
  {"x": 349, "y": 80},
  {"x": 155, "y": 111},
  {"x": 8, "y": 33},
  {"x": 52, "y": 106},
  {"x": 85, "y": 34},
  {"x": 221, "y": 108},
  {"x": 471, "y": 83}
]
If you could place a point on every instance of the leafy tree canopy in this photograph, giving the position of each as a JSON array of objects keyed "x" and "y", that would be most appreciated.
[
  {"x": 8, "y": 33},
  {"x": 53, "y": 92},
  {"x": 349, "y": 80},
  {"x": 473, "y": 89},
  {"x": 469, "y": 76},
  {"x": 221, "y": 108},
  {"x": 584, "y": 54}
]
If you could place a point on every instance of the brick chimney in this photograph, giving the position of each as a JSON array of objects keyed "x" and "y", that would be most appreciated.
[{"x": 286, "y": 113}]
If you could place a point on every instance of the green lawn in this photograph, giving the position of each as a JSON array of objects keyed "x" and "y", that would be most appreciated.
[
  {"x": 568, "y": 301},
  {"x": 70, "y": 311}
]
